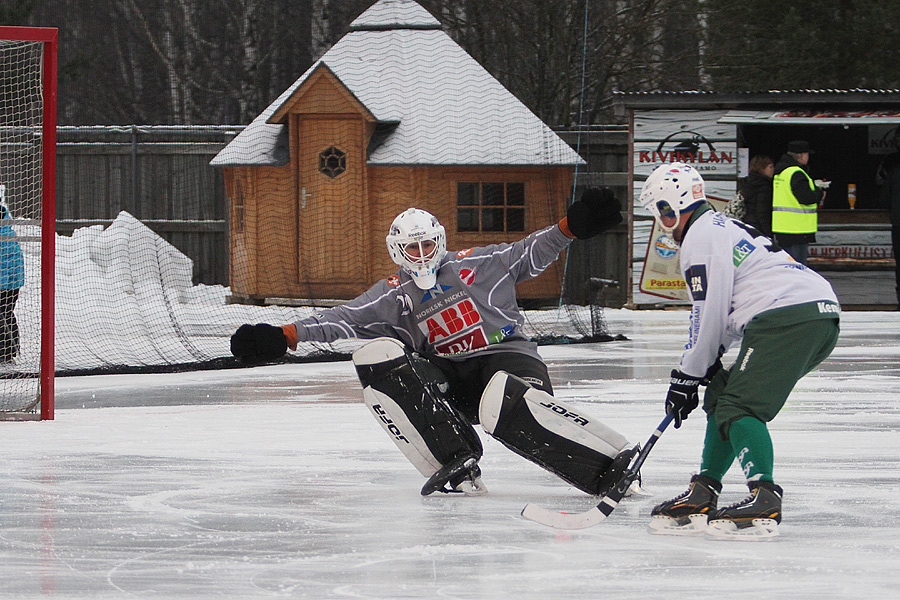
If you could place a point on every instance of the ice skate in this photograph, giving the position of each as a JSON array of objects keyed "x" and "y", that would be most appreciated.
[
  {"x": 462, "y": 476},
  {"x": 754, "y": 518},
  {"x": 687, "y": 513},
  {"x": 469, "y": 483},
  {"x": 615, "y": 471}
]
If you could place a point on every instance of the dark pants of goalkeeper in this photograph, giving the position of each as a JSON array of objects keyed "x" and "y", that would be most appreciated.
[{"x": 469, "y": 377}]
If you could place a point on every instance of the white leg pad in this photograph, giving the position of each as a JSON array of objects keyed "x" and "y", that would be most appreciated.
[
  {"x": 399, "y": 428},
  {"x": 409, "y": 396},
  {"x": 553, "y": 415},
  {"x": 378, "y": 351},
  {"x": 544, "y": 430}
]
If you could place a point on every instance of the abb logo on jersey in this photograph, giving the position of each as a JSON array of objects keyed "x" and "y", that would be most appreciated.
[{"x": 452, "y": 320}]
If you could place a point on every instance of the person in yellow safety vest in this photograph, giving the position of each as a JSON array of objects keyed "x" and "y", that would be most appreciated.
[{"x": 795, "y": 199}]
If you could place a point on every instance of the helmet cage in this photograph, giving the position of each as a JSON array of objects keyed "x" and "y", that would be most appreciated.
[{"x": 417, "y": 243}]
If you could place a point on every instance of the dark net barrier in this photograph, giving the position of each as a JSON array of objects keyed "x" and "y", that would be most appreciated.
[{"x": 295, "y": 207}]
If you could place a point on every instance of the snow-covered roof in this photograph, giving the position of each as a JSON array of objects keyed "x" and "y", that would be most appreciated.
[
  {"x": 404, "y": 69},
  {"x": 395, "y": 14}
]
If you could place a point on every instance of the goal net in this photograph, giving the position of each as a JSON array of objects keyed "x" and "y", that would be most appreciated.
[
  {"x": 27, "y": 183},
  {"x": 296, "y": 206}
]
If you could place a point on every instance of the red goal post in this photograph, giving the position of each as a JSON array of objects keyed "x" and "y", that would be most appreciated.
[{"x": 28, "y": 94}]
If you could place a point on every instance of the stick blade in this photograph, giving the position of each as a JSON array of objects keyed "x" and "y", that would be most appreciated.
[{"x": 561, "y": 520}]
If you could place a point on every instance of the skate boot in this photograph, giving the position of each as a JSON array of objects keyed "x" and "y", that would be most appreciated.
[
  {"x": 755, "y": 517},
  {"x": 469, "y": 482},
  {"x": 615, "y": 471},
  {"x": 462, "y": 475},
  {"x": 687, "y": 513}
]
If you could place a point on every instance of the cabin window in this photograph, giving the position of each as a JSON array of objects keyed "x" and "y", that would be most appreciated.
[
  {"x": 489, "y": 206},
  {"x": 332, "y": 162}
]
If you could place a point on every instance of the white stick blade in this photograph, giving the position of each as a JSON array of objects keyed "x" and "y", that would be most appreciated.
[{"x": 561, "y": 520}]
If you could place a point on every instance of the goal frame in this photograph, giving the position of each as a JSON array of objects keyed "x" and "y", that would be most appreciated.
[{"x": 49, "y": 36}]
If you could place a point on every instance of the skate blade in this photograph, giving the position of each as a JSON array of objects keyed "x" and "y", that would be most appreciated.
[
  {"x": 759, "y": 530},
  {"x": 466, "y": 487},
  {"x": 636, "y": 490},
  {"x": 472, "y": 488},
  {"x": 663, "y": 525}
]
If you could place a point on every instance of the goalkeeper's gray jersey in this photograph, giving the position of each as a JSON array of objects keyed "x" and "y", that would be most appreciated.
[
  {"x": 471, "y": 309},
  {"x": 734, "y": 273}
]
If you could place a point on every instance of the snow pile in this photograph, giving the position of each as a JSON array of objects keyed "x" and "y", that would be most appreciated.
[
  {"x": 127, "y": 258},
  {"x": 124, "y": 297}
]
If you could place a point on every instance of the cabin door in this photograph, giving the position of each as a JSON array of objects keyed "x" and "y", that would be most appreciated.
[{"x": 332, "y": 235}]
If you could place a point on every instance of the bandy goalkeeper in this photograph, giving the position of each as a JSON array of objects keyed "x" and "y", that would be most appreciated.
[{"x": 447, "y": 352}]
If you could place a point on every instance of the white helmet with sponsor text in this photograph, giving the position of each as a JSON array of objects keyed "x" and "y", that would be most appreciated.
[
  {"x": 672, "y": 189},
  {"x": 417, "y": 242}
]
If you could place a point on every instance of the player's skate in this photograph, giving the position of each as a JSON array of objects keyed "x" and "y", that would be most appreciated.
[
  {"x": 687, "y": 513},
  {"x": 462, "y": 475},
  {"x": 756, "y": 517}
]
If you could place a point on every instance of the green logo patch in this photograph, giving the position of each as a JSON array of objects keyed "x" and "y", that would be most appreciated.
[{"x": 741, "y": 251}]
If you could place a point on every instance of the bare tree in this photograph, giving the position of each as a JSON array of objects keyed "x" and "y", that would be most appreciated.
[
  {"x": 564, "y": 58},
  {"x": 767, "y": 44},
  {"x": 223, "y": 61},
  {"x": 175, "y": 61}
]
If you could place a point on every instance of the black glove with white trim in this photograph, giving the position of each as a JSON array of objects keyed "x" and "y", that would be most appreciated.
[
  {"x": 683, "y": 396},
  {"x": 597, "y": 211}
]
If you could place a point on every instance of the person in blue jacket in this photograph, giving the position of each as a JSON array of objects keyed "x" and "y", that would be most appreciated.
[{"x": 12, "y": 277}]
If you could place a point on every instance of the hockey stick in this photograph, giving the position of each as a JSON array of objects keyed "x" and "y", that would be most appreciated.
[{"x": 593, "y": 516}]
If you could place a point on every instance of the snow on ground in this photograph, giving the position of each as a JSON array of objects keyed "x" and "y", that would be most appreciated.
[{"x": 275, "y": 482}]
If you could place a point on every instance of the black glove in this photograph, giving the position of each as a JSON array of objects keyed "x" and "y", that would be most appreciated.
[
  {"x": 258, "y": 343},
  {"x": 683, "y": 396},
  {"x": 597, "y": 211}
]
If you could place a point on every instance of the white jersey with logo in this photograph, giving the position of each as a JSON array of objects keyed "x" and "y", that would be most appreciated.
[
  {"x": 472, "y": 307},
  {"x": 733, "y": 273}
]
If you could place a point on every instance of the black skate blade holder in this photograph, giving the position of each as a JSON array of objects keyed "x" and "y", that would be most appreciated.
[{"x": 455, "y": 468}]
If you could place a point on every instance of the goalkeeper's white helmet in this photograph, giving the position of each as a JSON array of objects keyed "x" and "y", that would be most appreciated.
[
  {"x": 417, "y": 242},
  {"x": 671, "y": 190}
]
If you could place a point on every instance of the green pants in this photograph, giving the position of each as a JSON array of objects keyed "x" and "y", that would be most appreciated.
[{"x": 779, "y": 347}]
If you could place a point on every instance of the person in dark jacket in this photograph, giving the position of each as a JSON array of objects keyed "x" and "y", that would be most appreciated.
[
  {"x": 795, "y": 200},
  {"x": 888, "y": 177},
  {"x": 756, "y": 189}
]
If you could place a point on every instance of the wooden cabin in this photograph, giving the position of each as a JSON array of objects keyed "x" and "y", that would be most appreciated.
[{"x": 395, "y": 115}]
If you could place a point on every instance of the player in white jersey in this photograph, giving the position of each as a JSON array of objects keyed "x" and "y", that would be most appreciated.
[
  {"x": 449, "y": 352},
  {"x": 744, "y": 289}
]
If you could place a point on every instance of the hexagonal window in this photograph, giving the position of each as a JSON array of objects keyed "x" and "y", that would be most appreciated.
[{"x": 332, "y": 162}]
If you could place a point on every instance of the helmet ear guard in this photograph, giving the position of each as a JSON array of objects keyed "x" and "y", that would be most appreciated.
[{"x": 417, "y": 243}]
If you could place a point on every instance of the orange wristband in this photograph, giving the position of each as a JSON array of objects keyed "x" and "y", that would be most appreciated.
[
  {"x": 290, "y": 332},
  {"x": 564, "y": 227}
]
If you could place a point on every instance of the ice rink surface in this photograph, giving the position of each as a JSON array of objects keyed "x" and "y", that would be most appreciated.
[{"x": 275, "y": 482}]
